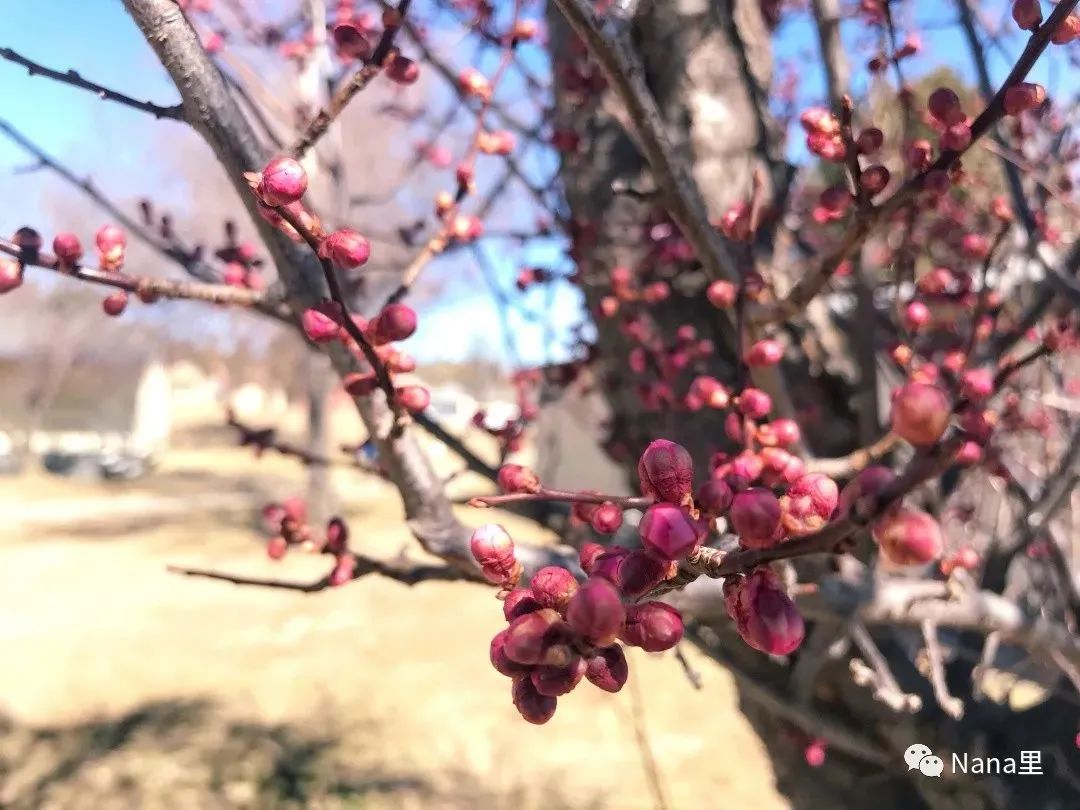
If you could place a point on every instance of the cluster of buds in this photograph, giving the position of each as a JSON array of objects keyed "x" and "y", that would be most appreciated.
[
  {"x": 242, "y": 263},
  {"x": 287, "y": 523},
  {"x": 823, "y": 135},
  {"x": 561, "y": 632}
]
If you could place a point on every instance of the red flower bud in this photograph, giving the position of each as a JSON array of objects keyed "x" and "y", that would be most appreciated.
[
  {"x": 666, "y": 471},
  {"x": 473, "y": 82},
  {"x": 721, "y": 294},
  {"x": 359, "y": 384},
  {"x": 869, "y": 140},
  {"x": 956, "y": 138},
  {"x": 868, "y": 483},
  {"x": 1023, "y": 96},
  {"x": 11, "y": 275},
  {"x": 607, "y": 518},
  {"x": 640, "y": 572},
  {"x": 977, "y": 384},
  {"x": 67, "y": 248},
  {"x": 710, "y": 392},
  {"x": 765, "y": 617},
  {"x": 111, "y": 243},
  {"x": 766, "y": 352},
  {"x": 276, "y": 547},
  {"x": 735, "y": 223},
  {"x": 533, "y": 706},
  {"x": 553, "y": 586},
  {"x": 920, "y": 413},
  {"x": 282, "y": 182},
  {"x": 606, "y": 669},
  {"x": 588, "y": 554},
  {"x": 1027, "y": 14},
  {"x": 755, "y": 516},
  {"x": 115, "y": 303},
  {"x": 668, "y": 531},
  {"x": 413, "y": 398},
  {"x": 529, "y": 637},
  {"x": 402, "y": 70},
  {"x": 519, "y": 602},
  {"x": 596, "y": 611},
  {"x": 515, "y": 478},
  {"x": 350, "y": 41},
  {"x": 944, "y": 105},
  {"x": 714, "y": 497},
  {"x": 493, "y": 549},
  {"x": 346, "y": 248},
  {"x": 916, "y": 315},
  {"x": 322, "y": 322},
  {"x": 396, "y": 322},
  {"x": 908, "y": 537},
  {"x": 809, "y": 504},
  {"x": 337, "y": 536},
  {"x": 653, "y": 626},
  {"x": 501, "y": 662},
  {"x": 874, "y": 179},
  {"x": 555, "y": 681},
  {"x": 1067, "y": 30},
  {"x": 343, "y": 570},
  {"x": 755, "y": 403}
]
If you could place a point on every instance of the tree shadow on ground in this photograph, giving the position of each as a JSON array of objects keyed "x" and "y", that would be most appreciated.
[{"x": 184, "y": 754}]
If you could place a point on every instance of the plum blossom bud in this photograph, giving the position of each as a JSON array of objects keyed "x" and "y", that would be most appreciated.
[
  {"x": 714, "y": 497},
  {"x": 359, "y": 384},
  {"x": 908, "y": 537},
  {"x": 1001, "y": 209},
  {"x": 524, "y": 30},
  {"x": 607, "y": 518},
  {"x": 1023, "y": 96},
  {"x": 474, "y": 83},
  {"x": 666, "y": 471},
  {"x": 917, "y": 154},
  {"x": 766, "y": 352},
  {"x": 499, "y": 660},
  {"x": 350, "y": 41},
  {"x": 402, "y": 70},
  {"x": 337, "y": 536},
  {"x": 396, "y": 322},
  {"x": 765, "y": 617},
  {"x": 710, "y": 392},
  {"x": 555, "y": 681},
  {"x": 493, "y": 549},
  {"x": 528, "y": 637},
  {"x": 1027, "y": 14},
  {"x": 975, "y": 246},
  {"x": 735, "y": 223},
  {"x": 809, "y": 503},
  {"x": 587, "y": 555},
  {"x": 282, "y": 181},
  {"x": 1067, "y": 30},
  {"x": 67, "y": 248},
  {"x": 721, "y": 294},
  {"x": 413, "y": 398},
  {"x": 11, "y": 275},
  {"x": 874, "y": 179},
  {"x": 956, "y": 138},
  {"x": 553, "y": 586},
  {"x": 944, "y": 105},
  {"x": 322, "y": 322},
  {"x": 920, "y": 413},
  {"x": 534, "y": 707},
  {"x": 515, "y": 478},
  {"x": 111, "y": 243},
  {"x": 916, "y": 315},
  {"x": 653, "y": 626},
  {"x": 596, "y": 612},
  {"x": 346, "y": 248},
  {"x": 977, "y": 384},
  {"x": 868, "y": 483},
  {"x": 755, "y": 516},
  {"x": 869, "y": 140},
  {"x": 640, "y": 572},
  {"x": 669, "y": 531},
  {"x": 607, "y": 565},
  {"x": 755, "y": 403},
  {"x": 115, "y": 303},
  {"x": 519, "y": 602},
  {"x": 343, "y": 570},
  {"x": 606, "y": 669}
]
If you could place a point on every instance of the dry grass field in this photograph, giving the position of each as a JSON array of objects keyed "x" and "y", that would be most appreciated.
[{"x": 125, "y": 686}]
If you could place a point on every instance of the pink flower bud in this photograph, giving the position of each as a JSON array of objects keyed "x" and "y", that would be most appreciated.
[
  {"x": 555, "y": 681},
  {"x": 606, "y": 669},
  {"x": 350, "y": 41},
  {"x": 869, "y": 140},
  {"x": 322, "y": 322},
  {"x": 1022, "y": 97},
  {"x": 765, "y": 617},
  {"x": 596, "y": 612},
  {"x": 766, "y": 352},
  {"x": 977, "y": 384},
  {"x": 553, "y": 586},
  {"x": 473, "y": 82},
  {"x": 956, "y": 138},
  {"x": 640, "y": 572},
  {"x": 874, "y": 179},
  {"x": 721, "y": 294},
  {"x": 607, "y": 518},
  {"x": 1027, "y": 14},
  {"x": 115, "y": 303},
  {"x": 534, "y": 707},
  {"x": 413, "y": 398},
  {"x": 276, "y": 547},
  {"x": 359, "y": 384},
  {"x": 755, "y": 403},
  {"x": 343, "y": 570},
  {"x": 918, "y": 154},
  {"x": 111, "y": 242},
  {"x": 920, "y": 413},
  {"x": 402, "y": 70},
  {"x": 346, "y": 248},
  {"x": 493, "y": 549},
  {"x": 1067, "y": 30},
  {"x": 528, "y": 637},
  {"x": 519, "y": 602},
  {"x": 944, "y": 105},
  {"x": 11, "y": 275},
  {"x": 809, "y": 504},
  {"x": 916, "y": 315},
  {"x": 714, "y": 497},
  {"x": 515, "y": 478},
  {"x": 908, "y": 537},
  {"x": 396, "y": 322},
  {"x": 588, "y": 554},
  {"x": 666, "y": 471},
  {"x": 337, "y": 536},
  {"x": 501, "y": 662},
  {"x": 868, "y": 483},
  {"x": 282, "y": 182},
  {"x": 710, "y": 392},
  {"x": 653, "y": 626},
  {"x": 735, "y": 223},
  {"x": 67, "y": 248},
  {"x": 755, "y": 516},
  {"x": 606, "y": 565},
  {"x": 669, "y": 532}
]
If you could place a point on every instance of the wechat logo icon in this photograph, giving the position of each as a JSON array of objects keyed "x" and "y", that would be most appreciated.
[{"x": 920, "y": 758}]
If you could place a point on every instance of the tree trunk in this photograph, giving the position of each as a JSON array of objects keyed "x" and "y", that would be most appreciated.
[{"x": 708, "y": 65}]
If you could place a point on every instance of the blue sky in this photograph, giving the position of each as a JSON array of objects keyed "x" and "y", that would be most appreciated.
[{"x": 118, "y": 146}]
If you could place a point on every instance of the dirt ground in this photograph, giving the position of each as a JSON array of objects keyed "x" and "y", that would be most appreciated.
[{"x": 126, "y": 686}]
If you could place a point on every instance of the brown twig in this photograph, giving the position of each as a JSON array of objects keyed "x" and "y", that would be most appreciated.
[
  {"x": 952, "y": 706},
  {"x": 625, "y": 501}
]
